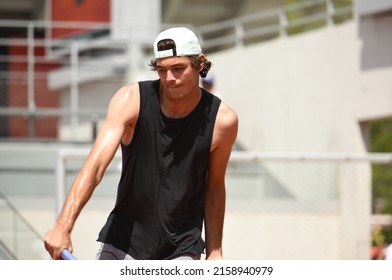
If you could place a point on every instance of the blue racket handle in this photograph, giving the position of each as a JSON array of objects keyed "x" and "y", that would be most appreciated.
[{"x": 67, "y": 255}]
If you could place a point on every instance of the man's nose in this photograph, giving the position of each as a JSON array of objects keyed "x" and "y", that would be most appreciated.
[{"x": 170, "y": 76}]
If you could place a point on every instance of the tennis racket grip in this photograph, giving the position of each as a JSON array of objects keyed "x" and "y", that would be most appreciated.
[{"x": 67, "y": 255}]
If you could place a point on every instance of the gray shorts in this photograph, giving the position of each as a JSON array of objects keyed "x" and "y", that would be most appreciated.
[{"x": 109, "y": 252}]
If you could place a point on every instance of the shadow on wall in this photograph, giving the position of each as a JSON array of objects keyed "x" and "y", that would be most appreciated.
[{"x": 376, "y": 36}]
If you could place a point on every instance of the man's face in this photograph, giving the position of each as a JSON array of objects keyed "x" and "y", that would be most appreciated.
[{"x": 177, "y": 75}]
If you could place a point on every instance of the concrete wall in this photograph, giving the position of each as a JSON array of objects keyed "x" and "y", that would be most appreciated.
[
  {"x": 375, "y": 83},
  {"x": 135, "y": 19},
  {"x": 310, "y": 93},
  {"x": 299, "y": 94}
]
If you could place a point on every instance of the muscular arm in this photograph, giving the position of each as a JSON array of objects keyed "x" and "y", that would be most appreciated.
[
  {"x": 225, "y": 133},
  {"x": 118, "y": 126}
]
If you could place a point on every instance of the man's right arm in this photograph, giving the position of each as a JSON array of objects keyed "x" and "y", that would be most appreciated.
[{"x": 118, "y": 126}]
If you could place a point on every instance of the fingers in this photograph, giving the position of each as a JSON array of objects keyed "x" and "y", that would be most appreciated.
[
  {"x": 70, "y": 249},
  {"x": 48, "y": 247},
  {"x": 55, "y": 242},
  {"x": 53, "y": 252}
]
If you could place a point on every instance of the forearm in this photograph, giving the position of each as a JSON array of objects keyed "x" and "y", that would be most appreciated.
[
  {"x": 215, "y": 203},
  {"x": 58, "y": 237},
  {"x": 79, "y": 194}
]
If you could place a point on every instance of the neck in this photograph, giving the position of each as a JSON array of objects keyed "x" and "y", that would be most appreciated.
[{"x": 179, "y": 107}]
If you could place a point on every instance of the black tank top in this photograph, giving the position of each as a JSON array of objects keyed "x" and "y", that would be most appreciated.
[{"x": 159, "y": 208}]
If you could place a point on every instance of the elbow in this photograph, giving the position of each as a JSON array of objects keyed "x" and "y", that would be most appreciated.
[{"x": 91, "y": 176}]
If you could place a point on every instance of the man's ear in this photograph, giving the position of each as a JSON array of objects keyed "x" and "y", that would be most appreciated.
[{"x": 202, "y": 59}]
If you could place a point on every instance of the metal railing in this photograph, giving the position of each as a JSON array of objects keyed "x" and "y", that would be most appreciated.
[
  {"x": 255, "y": 170},
  {"x": 274, "y": 23},
  {"x": 268, "y": 189},
  {"x": 310, "y": 187},
  {"x": 17, "y": 236},
  {"x": 38, "y": 67}
]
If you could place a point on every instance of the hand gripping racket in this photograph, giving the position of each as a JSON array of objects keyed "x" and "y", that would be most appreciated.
[{"x": 67, "y": 255}]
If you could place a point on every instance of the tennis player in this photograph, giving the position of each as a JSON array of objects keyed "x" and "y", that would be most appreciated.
[{"x": 176, "y": 139}]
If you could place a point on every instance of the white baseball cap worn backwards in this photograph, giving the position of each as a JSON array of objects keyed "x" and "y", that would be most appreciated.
[{"x": 186, "y": 43}]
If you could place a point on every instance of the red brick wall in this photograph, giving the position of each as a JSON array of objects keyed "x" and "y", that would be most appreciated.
[
  {"x": 61, "y": 10},
  {"x": 45, "y": 127},
  {"x": 85, "y": 11}
]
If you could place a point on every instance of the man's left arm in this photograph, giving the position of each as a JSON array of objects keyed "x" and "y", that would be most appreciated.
[{"x": 225, "y": 133}]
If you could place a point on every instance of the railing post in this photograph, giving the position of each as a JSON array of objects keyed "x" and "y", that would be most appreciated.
[
  {"x": 61, "y": 182},
  {"x": 239, "y": 34},
  {"x": 283, "y": 23},
  {"x": 74, "y": 87},
  {"x": 30, "y": 78},
  {"x": 15, "y": 230},
  {"x": 330, "y": 13},
  {"x": 134, "y": 57}
]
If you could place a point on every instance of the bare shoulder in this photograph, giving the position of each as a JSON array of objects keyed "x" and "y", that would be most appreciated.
[
  {"x": 227, "y": 118},
  {"x": 226, "y": 127},
  {"x": 127, "y": 93},
  {"x": 123, "y": 111},
  {"x": 125, "y": 102}
]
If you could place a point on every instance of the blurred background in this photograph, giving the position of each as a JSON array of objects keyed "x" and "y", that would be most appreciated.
[{"x": 310, "y": 174}]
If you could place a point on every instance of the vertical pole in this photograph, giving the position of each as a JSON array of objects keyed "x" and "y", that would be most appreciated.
[
  {"x": 134, "y": 57},
  {"x": 30, "y": 79},
  {"x": 239, "y": 34},
  {"x": 61, "y": 181},
  {"x": 355, "y": 11},
  {"x": 283, "y": 22},
  {"x": 330, "y": 13},
  {"x": 74, "y": 87},
  {"x": 15, "y": 230},
  {"x": 131, "y": 69},
  {"x": 48, "y": 27}
]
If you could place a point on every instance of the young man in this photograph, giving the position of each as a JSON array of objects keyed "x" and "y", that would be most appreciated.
[{"x": 176, "y": 140}]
